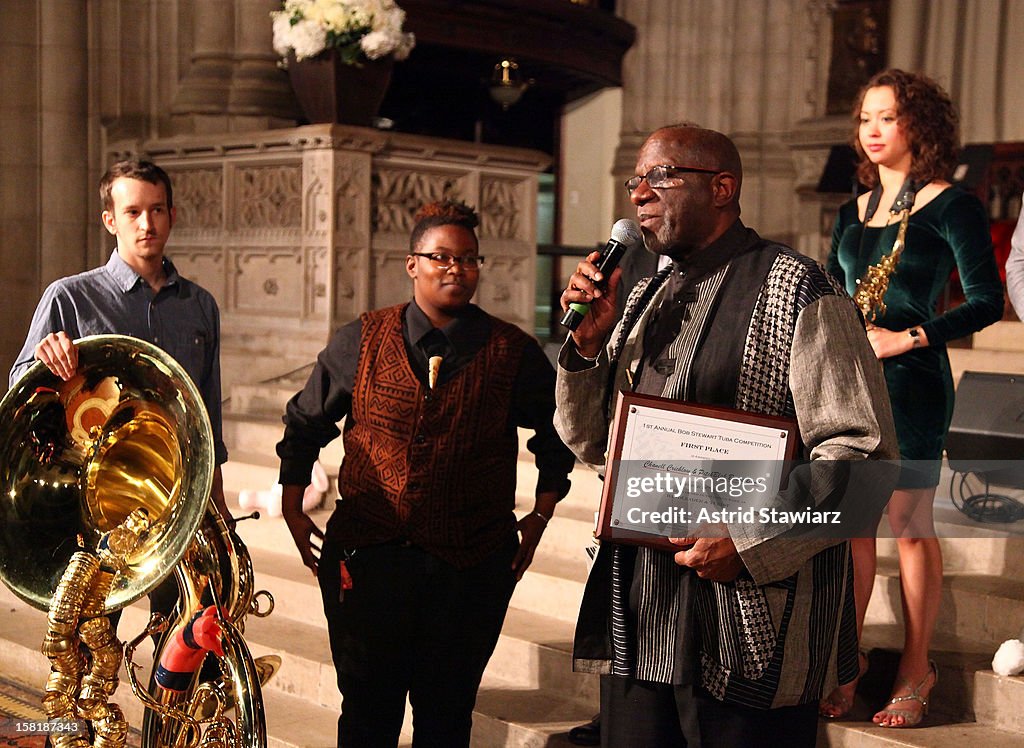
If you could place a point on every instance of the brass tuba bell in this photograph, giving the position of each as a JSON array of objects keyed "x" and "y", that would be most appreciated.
[
  {"x": 129, "y": 431},
  {"x": 124, "y": 452}
]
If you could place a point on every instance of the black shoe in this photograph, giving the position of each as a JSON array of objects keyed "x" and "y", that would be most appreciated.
[{"x": 588, "y": 734}]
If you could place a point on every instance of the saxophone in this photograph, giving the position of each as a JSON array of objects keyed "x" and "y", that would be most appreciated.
[{"x": 870, "y": 294}]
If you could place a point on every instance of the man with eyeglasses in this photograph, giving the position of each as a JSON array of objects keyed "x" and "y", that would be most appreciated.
[
  {"x": 731, "y": 641},
  {"x": 421, "y": 555}
]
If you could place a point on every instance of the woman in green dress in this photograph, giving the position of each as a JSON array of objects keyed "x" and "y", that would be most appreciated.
[{"x": 907, "y": 140}]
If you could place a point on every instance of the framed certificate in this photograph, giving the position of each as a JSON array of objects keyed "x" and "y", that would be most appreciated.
[{"x": 678, "y": 470}]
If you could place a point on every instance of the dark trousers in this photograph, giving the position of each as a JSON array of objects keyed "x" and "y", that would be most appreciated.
[
  {"x": 412, "y": 625},
  {"x": 639, "y": 714}
]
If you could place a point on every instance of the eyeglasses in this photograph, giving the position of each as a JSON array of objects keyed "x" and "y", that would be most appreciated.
[
  {"x": 443, "y": 260},
  {"x": 659, "y": 176}
]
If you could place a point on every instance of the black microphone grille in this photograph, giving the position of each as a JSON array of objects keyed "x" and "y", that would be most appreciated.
[{"x": 626, "y": 232}]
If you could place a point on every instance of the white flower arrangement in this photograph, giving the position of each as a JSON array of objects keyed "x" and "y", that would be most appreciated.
[{"x": 359, "y": 29}]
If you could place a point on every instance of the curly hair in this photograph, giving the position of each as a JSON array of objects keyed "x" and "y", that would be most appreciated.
[
  {"x": 928, "y": 120},
  {"x": 145, "y": 171},
  {"x": 442, "y": 213}
]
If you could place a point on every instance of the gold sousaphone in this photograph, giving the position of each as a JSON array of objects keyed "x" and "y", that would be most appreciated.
[{"x": 126, "y": 439}]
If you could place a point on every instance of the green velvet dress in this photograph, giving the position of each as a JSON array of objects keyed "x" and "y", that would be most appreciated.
[{"x": 949, "y": 232}]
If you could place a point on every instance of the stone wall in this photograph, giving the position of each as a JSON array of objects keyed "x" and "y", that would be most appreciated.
[
  {"x": 758, "y": 71},
  {"x": 297, "y": 231},
  {"x": 76, "y": 77}
]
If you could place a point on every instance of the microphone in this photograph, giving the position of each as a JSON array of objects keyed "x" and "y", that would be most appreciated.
[{"x": 625, "y": 234}]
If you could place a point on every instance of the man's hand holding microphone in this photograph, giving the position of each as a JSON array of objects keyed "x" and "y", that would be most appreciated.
[{"x": 589, "y": 300}]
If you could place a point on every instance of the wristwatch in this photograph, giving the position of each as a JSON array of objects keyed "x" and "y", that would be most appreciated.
[{"x": 915, "y": 336}]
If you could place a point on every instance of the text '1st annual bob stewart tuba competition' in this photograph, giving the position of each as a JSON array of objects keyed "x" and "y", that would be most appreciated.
[{"x": 104, "y": 492}]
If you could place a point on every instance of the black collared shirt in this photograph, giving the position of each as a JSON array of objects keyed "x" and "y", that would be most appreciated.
[
  {"x": 680, "y": 295},
  {"x": 456, "y": 343}
]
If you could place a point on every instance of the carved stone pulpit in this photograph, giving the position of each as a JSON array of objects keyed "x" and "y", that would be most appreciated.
[{"x": 298, "y": 231}]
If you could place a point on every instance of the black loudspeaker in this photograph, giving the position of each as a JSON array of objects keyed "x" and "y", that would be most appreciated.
[
  {"x": 972, "y": 165},
  {"x": 987, "y": 432}
]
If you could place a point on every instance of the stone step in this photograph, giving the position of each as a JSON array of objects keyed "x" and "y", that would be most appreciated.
[
  {"x": 535, "y": 646},
  {"x": 510, "y": 715},
  {"x": 254, "y": 438},
  {"x": 975, "y": 359},
  {"x": 264, "y": 357},
  {"x": 536, "y": 640},
  {"x": 268, "y": 397},
  {"x": 296, "y": 594},
  {"x": 848, "y": 734},
  {"x": 526, "y": 694},
  {"x": 584, "y": 499},
  {"x": 569, "y": 532},
  {"x": 979, "y": 607},
  {"x": 966, "y": 691},
  {"x": 252, "y": 434},
  {"x": 246, "y": 471},
  {"x": 565, "y": 538},
  {"x": 1005, "y": 335},
  {"x": 967, "y": 546},
  {"x": 292, "y": 722},
  {"x": 552, "y": 586},
  {"x": 957, "y": 659},
  {"x": 545, "y": 604},
  {"x": 257, "y": 437},
  {"x": 995, "y": 700},
  {"x": 994, "y": 555},
  {"x": 998, "y": 700},
  {"x": 306, "y": 673},
  {"x": 259, "y": 400},
  {"x": 535, "y": 651}
]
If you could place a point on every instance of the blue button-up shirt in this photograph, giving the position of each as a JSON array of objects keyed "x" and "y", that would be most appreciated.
[{"x": 182, "y": 319}]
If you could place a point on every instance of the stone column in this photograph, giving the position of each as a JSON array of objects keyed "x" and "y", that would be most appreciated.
[
  {"x": 19, "y": 180},
  {"x": 765, "y": 104},
  {"x": 43, "y": 172},
  {"x": 746, "y": 69},
  {"x": 202, "y": 101},
  {"x": 647, "y": 95},
  {"x": 970, "y": 47},
  {"x": 64, "y": 176},
  {"x": 260, "y": 93}
]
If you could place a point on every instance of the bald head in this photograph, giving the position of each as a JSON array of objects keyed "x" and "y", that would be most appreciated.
[
  {"x": 707, "y": 149},
  {"x": 694, "y": 197}
]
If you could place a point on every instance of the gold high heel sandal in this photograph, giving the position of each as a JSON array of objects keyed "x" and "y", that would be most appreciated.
[{"x": 911, "y": 718}]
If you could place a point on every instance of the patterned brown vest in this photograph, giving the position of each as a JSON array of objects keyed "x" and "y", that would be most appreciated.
[{"x": 435, "y": 467}]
